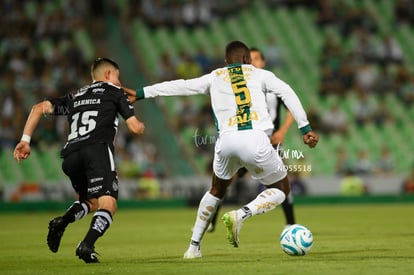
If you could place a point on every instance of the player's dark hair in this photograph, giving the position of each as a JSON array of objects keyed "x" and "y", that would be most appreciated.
[
  {"x": 103, "y": 61},
  {"x": 254, "y": 49},
  {"x": 235, "y": 51}
]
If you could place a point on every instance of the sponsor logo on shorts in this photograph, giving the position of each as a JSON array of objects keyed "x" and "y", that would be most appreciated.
[
  {"x": 96, "y": 179},
  {"x": 94, "y": 189}
]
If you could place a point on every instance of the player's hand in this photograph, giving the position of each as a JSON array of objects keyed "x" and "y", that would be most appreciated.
[
  {"x": 131, "y": 94},
  {"x": 278, "y": 137},
  {"x": 22, "y": 151},
  {"x": 141, "y": 128},
  {"x": 132, "y": 99},
  {"x": 311, "y": 139}
]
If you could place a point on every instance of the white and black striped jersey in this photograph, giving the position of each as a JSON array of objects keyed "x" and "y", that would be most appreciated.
[{"x": 92, "y": 113}]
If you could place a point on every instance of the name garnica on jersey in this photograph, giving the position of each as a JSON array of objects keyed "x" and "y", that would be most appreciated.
[{"x": 86, "y": 102}]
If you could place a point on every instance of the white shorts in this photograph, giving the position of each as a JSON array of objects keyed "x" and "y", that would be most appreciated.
[{"x": 251, "y": 149}]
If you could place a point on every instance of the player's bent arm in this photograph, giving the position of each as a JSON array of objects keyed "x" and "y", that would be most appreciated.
[
  {"x": 290, "y": 98},
  {"x": 22, "y": 150},
  {"x": 135, "y": 126},
  {"x": 38, "y": 110}
]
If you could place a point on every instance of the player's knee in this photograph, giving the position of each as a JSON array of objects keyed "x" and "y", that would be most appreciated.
[
  {"x": 282, "y": 185},
  {"x": 218, "y": 192},
  {"x": 108, "y": 203},
  {"x": 219, "y": 187},
  {"x": 93, "y": 204}
]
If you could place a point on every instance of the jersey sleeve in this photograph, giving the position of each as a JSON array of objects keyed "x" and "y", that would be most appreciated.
[
  {"x": 60, "y": 105},
  {"x": 180, "y": 87},
  {"x": 289, "y": 98},
  {"x": 125, "y": 108},
  {"x": 271, "y": 102}
]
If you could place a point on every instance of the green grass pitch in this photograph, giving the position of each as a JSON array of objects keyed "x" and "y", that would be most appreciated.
[{"x": 348, "y": 239}]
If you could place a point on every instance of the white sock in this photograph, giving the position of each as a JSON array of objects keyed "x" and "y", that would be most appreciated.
[
  {"x": 264, "y": 202},
  {"x": 206, "y": 209}
]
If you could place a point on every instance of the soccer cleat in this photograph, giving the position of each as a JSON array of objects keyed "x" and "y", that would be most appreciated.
[
  {"x": 88, "y": 255},
  {"x": 56, "y": 228},
  {"x": 233, "y": 226},
  {"x": 192, "y": 253}
]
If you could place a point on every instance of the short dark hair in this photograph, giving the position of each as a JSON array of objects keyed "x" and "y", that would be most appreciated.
[
  {"x": 101, "y": 61},
  {"x": 236, "y": 48}
]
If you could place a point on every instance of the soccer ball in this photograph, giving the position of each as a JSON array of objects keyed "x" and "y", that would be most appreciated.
[{"x": 296, "y": 240}]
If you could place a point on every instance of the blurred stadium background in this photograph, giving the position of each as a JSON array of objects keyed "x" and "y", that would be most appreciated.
[{"x": 351, "y": 63}]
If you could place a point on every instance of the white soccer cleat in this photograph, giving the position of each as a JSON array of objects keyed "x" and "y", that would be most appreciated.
[
  {"x": 233, "y": 226},
  {"x": 192, "y": 253}
]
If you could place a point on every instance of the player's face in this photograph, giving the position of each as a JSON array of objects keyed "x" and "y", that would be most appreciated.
[{"x": 257, "y": 60}]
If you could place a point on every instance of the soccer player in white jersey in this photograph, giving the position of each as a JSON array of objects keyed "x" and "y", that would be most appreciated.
[
  {"x": 243, "y": 122},
  {"x": 274, "y": 105}
]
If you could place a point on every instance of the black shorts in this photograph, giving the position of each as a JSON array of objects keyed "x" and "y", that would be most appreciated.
[{"x": 92, "y": 171}]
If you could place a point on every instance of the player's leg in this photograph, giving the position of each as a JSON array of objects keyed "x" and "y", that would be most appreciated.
[
  {"x": 102, "y": 192},
  {"x": 287, "y": 206},
  {"x": 266, "y": 201},
  {"x": 79, "y": 209},
  {"x": 207, "y": 209},
  {"x": 212, "y": 226},
  {"x": 224, "y": 167},
  {"x": 101, "y": 221},
  {"x": 266, "y": 166},
  {"x": 240, "y": 174}
]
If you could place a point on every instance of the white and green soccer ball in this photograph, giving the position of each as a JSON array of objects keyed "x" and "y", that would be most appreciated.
[{"x": 296, "y": 240}]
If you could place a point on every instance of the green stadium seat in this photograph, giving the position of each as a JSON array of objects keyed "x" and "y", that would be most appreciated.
[
  {"x": 148, "y": 48},
  {"x": 83, "y": 40},
  {"x": 51, "y": 164},
  {"x": 13, "y": 173},
  {"x": 217, "y": 34},
  {"x": 31, "y": 168}
]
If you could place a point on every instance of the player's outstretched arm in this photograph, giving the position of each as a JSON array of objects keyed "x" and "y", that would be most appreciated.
[
  {"x": 22, "y": 150},
  {"x": 311, "y": 139}
]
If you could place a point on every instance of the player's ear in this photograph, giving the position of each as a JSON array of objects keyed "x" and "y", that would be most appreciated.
[
  {"x": 247, "y": 59},
  {"x": 107, "y": 74}
]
